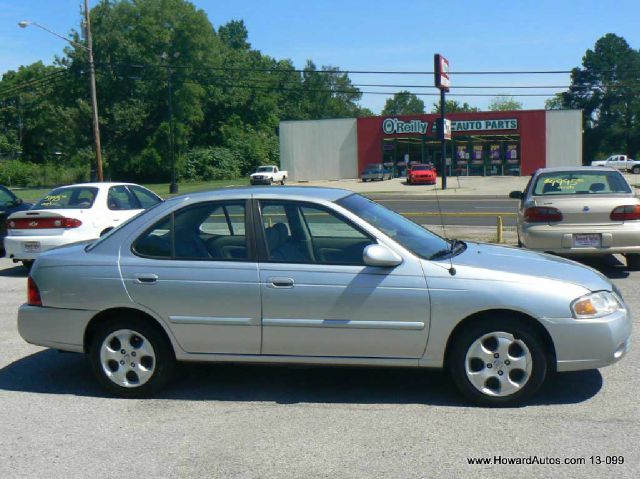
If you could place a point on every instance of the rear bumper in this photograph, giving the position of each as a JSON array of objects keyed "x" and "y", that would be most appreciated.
[
  {"x": 619, "y": 239},
  {"x": 15, "y": 245},
  {"x": 54, "y": 327},
  {"x": 590, "y": 344}
]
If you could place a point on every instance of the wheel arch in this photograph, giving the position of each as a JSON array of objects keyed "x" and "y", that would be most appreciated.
[
  {"x": 504, "y": 313},
  {"x": 113, "y": 313}
]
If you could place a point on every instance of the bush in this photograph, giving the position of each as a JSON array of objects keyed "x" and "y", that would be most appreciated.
[
  {"x": 214, "y": 163},
  {"x": 18, "y": 173}
]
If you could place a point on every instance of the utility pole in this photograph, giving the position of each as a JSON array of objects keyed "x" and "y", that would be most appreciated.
[
  {"x": 173, "y": 187},
  {"x": 94, "y": 96}
]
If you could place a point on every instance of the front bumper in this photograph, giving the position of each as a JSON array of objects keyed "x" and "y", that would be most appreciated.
[
  {"x": 54, "y": 327},
  {"x": 618, "y": 239},
  {"x": 429, "y": 180},
  {"x": 590, "y": 343}
]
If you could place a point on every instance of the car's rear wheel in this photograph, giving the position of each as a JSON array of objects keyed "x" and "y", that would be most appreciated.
[
  {"x": 282, "y": 181},
  {"x": 131, "y": 357},
  {"x": 498, "y": 362},
  {"x": 633, "y": 262},
  {"x": 635, "y": 170},
  {"x": 28, "y": 263}
]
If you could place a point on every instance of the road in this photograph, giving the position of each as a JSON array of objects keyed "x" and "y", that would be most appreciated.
[
  {"x": 224, "y": 421},
  {"x": 460, "y": 211}
]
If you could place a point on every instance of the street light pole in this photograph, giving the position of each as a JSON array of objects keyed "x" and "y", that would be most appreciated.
[{"x": 92, "y": 79}]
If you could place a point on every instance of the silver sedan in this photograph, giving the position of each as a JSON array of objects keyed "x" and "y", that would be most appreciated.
[
  {"x": 317, "y": 276},
  {"x": 580, "y": 211}
]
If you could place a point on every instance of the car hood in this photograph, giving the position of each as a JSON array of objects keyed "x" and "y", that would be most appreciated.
[{"x": 531, "y": 263}]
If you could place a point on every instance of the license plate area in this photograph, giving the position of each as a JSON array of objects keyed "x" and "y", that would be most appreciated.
[
  {"x": 588, "y": 240},
  {"x": 31, "y": 246}
]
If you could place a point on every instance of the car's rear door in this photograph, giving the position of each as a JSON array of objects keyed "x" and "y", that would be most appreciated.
[
  {"x": 196, "y": 270},
  {"x": 320, "y": 299}
]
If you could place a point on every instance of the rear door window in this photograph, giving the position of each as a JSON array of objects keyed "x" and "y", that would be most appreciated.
[{"x": 120, "y": 198}]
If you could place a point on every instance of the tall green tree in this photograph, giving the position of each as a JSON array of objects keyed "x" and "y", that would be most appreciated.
[
  {"x": 504, "y": 103},
  {"x": 453, "y": 106},
  {"x": 403, "y": 103},
  {"x": 607, "y": 89}
]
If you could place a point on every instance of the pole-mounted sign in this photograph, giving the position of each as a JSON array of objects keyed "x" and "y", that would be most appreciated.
[{"x": 441, "y": 72}]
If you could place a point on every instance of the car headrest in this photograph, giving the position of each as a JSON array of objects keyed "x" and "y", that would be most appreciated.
[{"x": 596, "y": 187}]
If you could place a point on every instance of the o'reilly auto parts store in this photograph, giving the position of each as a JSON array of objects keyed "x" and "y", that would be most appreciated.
[{"x": 482, "y": 143}]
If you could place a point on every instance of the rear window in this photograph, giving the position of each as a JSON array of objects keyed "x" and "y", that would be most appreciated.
[
  {"x": 580, "y": 182},
  {"x": 74, "y": 198}
]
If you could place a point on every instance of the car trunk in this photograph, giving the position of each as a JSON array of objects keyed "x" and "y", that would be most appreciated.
[
  {"x": 589, "y": 210},
  {"x": 42, "y": 222}
]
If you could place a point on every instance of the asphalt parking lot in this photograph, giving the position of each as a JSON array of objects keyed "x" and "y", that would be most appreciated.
[{"x": 266, "y": 422}]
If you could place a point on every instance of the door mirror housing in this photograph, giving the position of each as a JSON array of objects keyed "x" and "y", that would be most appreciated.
[
  {"x": 378, "y": 255},
  {"x": 516, "y": 195},
  {"x": 18, "y": 201}
]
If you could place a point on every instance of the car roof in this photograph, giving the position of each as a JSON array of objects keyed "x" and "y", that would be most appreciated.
[
  {"x": 568, "y": 169},
  {"x": 271, "y": 192},
  {"x": 98, "y": 185}
]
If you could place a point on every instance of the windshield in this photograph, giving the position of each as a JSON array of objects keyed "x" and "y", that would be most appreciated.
[
  {"x": 412, "y": 236},
  {"x": 265, "y": 169},
  {"x": 6, "y": 198},
  {"x": 77, "y": 197},
  {"x": 580, "y": 182},
  {"x": 420, "y": 168}
]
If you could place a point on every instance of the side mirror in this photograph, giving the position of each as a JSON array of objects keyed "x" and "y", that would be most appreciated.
[
  {"x": 378, "y": 255},
  {"x": 516, "y": 195},
  {"x": 19, "y": 201}
]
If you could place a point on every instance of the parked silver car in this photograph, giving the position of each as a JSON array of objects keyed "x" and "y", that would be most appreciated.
[
  {"x": 580, "y": 211},
  {"x": 317, "y": 276}
]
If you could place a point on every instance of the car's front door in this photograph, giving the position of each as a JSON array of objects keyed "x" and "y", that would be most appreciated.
[
  {"x": 320, "y": 299},
  {"x": 196, "y": 270}
]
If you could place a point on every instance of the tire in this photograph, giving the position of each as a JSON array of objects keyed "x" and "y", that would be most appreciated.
[
  {"x": 491, "y": 381},
  {"x": 282, "y": 182},
  {"x": 131, "y": 374},
  {"x": 635, "y": 170},
  {"x": 28, "y": 263},
  {"x": 633, "y": 262}
]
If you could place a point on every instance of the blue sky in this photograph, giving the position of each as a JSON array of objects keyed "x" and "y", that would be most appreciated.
[{"x": 381, "y": 35}]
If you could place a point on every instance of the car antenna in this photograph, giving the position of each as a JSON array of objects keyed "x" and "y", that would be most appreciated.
[{"x": 452, "y": 270}]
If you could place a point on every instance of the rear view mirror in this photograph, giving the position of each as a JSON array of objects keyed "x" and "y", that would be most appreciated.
[
  {"x": 516, "y": 195},
  {"x": 378, "y": 255}
]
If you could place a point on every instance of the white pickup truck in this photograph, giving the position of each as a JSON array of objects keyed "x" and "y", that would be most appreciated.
[
  {"x": 267, "y": 175},
  {"x": 621, "y": 162}
]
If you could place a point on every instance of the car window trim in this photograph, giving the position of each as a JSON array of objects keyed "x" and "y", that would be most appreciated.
[
  {"x": 263, "y": 253},
  {"x": 251, "y": 250}
]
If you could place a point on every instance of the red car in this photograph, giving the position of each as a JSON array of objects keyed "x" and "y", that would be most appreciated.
[{"x": 422, "y": 174}]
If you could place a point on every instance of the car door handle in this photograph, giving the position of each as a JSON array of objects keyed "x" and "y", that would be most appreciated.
[
  {"x": 146, "y": 278},
  {"x": 278, "y": 282}
]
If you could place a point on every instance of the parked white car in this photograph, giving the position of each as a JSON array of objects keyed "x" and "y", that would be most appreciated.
[
  {"x": 621, "y": 162},
  {"x": 266, "y": 175},
  {"x": 71, "y": 214}
]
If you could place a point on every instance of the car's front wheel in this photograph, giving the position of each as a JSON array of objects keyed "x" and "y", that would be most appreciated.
[
  {"x": 498, "y": 362},
  {"x": 131, "y": 357}
]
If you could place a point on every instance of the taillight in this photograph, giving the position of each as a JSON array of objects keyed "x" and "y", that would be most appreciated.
[
  {"x": 542, "y": 214},
  {"x": 33, "y": 293},
  {"x": 626, "y": 213},
  {"x": 42, "y": 223}
]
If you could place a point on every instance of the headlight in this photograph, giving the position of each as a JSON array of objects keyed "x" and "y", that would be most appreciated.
[{"x": 595, "y": 305}]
